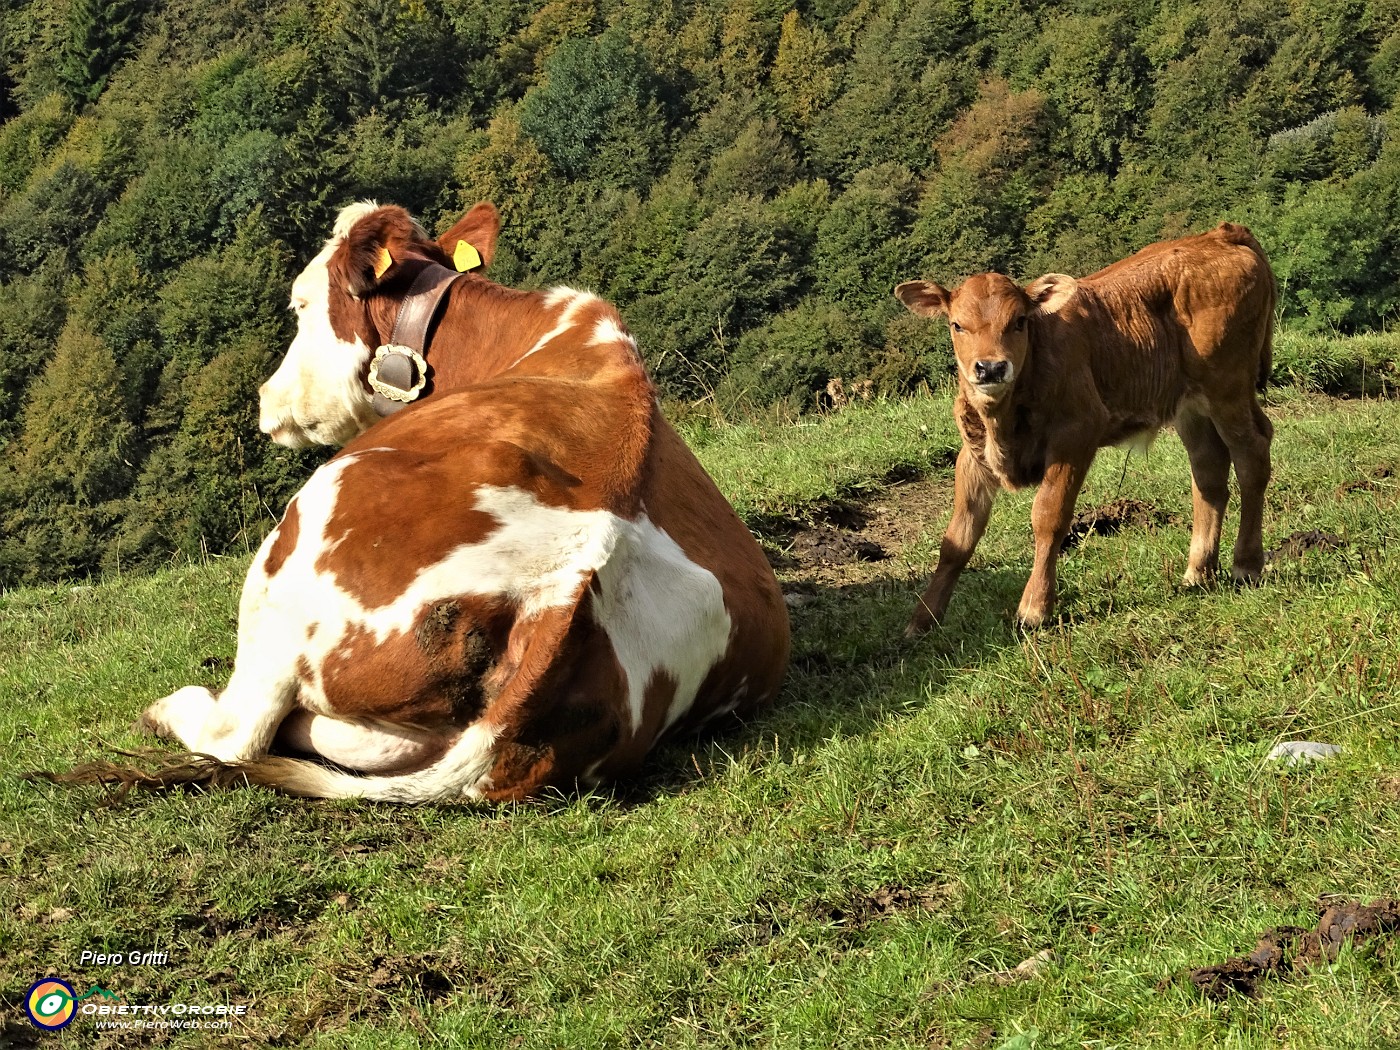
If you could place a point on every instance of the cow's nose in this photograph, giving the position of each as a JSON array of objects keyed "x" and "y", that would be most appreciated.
[{"x": 990, "y": 371}]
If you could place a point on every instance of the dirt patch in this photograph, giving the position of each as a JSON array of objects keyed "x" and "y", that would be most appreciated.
[
  {"x": 17, "y": 1035},
  {"x": 1286, "y": 951},
  {"x": 1114, "y": 517},
  {"x": 827, "y": 546},
  {"x": 1371, "y": 484},
  {"x": 343, "y": 995},
  {"x": 862, "y": 909},
  {"x": 843, "y": 534},
  {"x": 263, "y": 925},
  {"x": 1299, "y": 543}
]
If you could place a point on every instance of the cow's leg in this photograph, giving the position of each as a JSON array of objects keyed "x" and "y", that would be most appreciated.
[
  {"x": 1247, "y": 432},
  {"x": 974, "y": 490},
  {"x": 241, "y": 723},
  {"x": 1210, "y": 492},
  {"x": 238, "y": 726},
  {"x": 1050, "y": 520}
]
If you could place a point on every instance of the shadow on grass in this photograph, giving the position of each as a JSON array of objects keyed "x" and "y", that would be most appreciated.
[{"x": 852, "y": 669}]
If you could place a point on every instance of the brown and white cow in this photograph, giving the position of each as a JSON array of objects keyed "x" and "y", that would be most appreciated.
[
  {"x": 524, "y": 579},
  {"x": 1180, "y": 333}
]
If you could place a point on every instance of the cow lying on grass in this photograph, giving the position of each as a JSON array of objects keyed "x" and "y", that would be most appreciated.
[
  {"x": 1178, "y": 333},
  {"x": 523, "y": 579}
]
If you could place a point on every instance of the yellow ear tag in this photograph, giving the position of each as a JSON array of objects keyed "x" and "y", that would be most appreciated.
[
  {"x": 382, "y": 263},
  {"x": 465, "y": 257}
]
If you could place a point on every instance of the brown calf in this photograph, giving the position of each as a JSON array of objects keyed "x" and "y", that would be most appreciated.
[{"x": 1178, "y": 333}]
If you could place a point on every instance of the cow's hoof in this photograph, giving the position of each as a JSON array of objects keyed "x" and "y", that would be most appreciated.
[
  {"x": 1030, "y": 621},
  {"x": 1198, "y": 578},
  {"x": 149, "y": 725}
]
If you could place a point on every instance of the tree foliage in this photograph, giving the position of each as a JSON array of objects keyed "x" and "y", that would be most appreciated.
[{"x": 746, "y": 179}]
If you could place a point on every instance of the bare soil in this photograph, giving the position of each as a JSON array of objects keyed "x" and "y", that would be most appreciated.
[{"x": 1114, "y": 517}]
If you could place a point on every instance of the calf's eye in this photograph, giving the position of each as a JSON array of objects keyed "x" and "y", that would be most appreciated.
[{"x": 955, "y": 326}]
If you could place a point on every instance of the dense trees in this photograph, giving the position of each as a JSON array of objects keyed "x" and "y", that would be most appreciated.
[{"x": 746, "y": 178}]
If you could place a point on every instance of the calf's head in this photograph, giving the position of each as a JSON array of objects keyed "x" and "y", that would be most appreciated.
[
  {"x": 991, "y": 322},
  {"x": 345, "y": 302}
]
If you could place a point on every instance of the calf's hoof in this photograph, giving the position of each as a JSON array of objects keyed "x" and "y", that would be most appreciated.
[
  {"x": 1198, "y": 577},
  {"x": 1247, "y": 576},
  {"x": 921, "y": 622},
  {"x": 1031, "y": 619}
]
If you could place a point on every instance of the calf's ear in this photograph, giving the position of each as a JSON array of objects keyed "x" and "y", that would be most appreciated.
[
  {"x": 1052, "y": 291},
  {"x": 923, "y": 297},
  {"x": 471, "y": 240}
]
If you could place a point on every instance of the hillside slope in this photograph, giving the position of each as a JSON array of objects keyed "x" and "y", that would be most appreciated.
[{"x": 863, "y": 866}]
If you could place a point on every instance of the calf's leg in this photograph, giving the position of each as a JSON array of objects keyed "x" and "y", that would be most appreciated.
[
  {"x": 1050, "y": 520},
  {"x": 1210, "y": 492},
  {"x": 974, "y": 490},
  {"x": 1248, "y": 433}
]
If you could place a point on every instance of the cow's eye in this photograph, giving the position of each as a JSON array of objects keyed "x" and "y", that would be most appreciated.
[
  {"x": 1021, "y": 324},
  {"x": 956, "y": 327}
]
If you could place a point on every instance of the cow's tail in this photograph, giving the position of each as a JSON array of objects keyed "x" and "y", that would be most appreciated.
[{"x": 455, "y": 777}]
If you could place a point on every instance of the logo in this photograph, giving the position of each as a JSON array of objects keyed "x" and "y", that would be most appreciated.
[{"x": 51, "y": 1004}]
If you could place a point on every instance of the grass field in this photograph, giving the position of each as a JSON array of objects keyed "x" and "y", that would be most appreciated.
[{"x": 860, "y": 867}]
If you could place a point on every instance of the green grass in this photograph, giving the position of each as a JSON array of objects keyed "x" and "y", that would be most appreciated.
[
  {"x": 1097, "y": 789},
  {"x": 1352, "y": 366}
]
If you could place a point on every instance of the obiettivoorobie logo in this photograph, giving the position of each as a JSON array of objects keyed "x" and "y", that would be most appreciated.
[{"x": 52, "y": 1004}]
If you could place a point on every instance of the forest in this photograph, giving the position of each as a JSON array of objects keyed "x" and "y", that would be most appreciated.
[{"x": 746, "y": 179}]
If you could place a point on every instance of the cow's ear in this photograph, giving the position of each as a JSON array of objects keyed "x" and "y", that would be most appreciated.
[
  {"x": 373, "y": 249},
  {"x": 923, "y": 297},
  {"x": 1052, "y": 291},
  {"x": 475, "y": 232}
]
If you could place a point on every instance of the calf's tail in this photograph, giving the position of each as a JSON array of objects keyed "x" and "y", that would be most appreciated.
[
  {"x": 1266, "y": 352},
  {"x": 1237, "y": 234}
]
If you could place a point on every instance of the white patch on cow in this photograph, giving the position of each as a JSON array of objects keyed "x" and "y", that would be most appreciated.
[
  {"x": 608, "y": 331},
  {"x": 462, "y": 773},
  {"x": 317, "y": 395},
  {"x": 663, "y": 613},
  {"x": 561, "y": 295},
  {"x": 571, "y": 304},
  {"x": 538, "y": 556},
  {"x": 362, "y": 744}
]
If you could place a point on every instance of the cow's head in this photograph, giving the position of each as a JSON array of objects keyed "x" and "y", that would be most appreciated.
[
  {"x": 990, "y": 318},
  {"x": 345, "y": 302}
]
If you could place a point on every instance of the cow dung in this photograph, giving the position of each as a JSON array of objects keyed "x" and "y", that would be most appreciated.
[
  {"x": 1284, "y": 951},
  {"x": 1115, "y": 517},
  {"x": 1299, "y": 543}
]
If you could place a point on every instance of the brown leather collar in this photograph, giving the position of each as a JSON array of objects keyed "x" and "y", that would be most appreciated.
[{"x": 399, "y": 371}]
